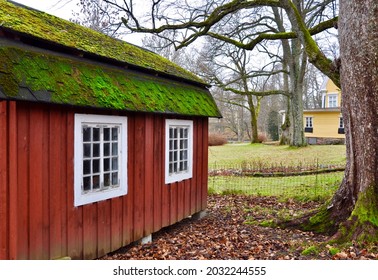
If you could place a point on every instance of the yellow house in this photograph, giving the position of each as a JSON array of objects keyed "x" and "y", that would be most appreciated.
[{"x": 325, "y": 125}]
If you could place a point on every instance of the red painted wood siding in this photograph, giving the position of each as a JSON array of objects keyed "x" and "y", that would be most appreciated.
[{"x": 37, "y": 216}]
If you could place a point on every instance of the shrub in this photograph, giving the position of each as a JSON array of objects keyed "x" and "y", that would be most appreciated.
[
  {"x": 216, "y": 139},
  {"x": 262, "y": 137}
]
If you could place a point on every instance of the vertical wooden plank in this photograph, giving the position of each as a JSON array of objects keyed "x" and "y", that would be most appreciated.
[
  {"x": 74, "y": 214},
  {"x": 65, "y": 184},
  {"x": 198, "y": 163},
  {"x": 13, "y": 180},
  {"x": 173, "y": 203},
  {"x": 205, "y": 165},
  {"x": 181, "y": 200},
  {"x": 166, "y": 188},
  {"x": 90, "y": 226},
  {"x": 23, "y": 192},
  {"x": 55, "y": 161},
  {"x": 187, "y": 195},
  {"x": 36, "y": 175},
  {"x": 158, "y": 170},
  {"x": 46, "y": 185},
  {"x": 4, "y": 221},
  {"x": 193, "y": 181},
  {"x": 148, "y": 180},
  {"x": 139, "y": 170},
  {"x": 104, "y": 227},
  {"x": 116, "y": 224},
  {"x": 128, "y": 199}
]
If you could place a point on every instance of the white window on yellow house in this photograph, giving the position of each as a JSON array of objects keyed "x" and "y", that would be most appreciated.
[
  {"x": 341, "y": 126},
  {"x": 309, "y": 127},
  {"x": 332, "y": 101}
]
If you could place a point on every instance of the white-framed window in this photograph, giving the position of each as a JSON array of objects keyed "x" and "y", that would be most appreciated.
[
  {"x": 178, "y": 150},
  {"x": 100, "y": 163},
  {"x": 332, "y": 100},
  {"x": 309, "y": 122},
  {"x": 341, "y": 122}
]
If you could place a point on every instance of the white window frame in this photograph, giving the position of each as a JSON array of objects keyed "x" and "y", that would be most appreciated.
[
  {"x": 332, "y": 100},
  {"x": 82, "y": 197},
  {"x": 309, "y": 122},
  {"x": 341, "y": 122},
  {"x": 171, "y": 177}
]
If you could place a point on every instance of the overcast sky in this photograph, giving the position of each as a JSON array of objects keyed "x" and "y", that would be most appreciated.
[{"x": 64, "y": 8}]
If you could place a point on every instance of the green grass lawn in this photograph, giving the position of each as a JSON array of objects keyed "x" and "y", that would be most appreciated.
[
  {"x": 275, "y": 155},
  {"x": 304, "y": 188}
]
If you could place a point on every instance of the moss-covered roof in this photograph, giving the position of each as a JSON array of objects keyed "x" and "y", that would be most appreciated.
[
  {"x": 113, "y": 74},
  {"x": 46, "y": 27},
  {"x": 29, "y": 74}
]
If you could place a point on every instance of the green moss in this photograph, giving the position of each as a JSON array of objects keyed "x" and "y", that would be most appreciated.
[
  {"x": 312, "y": 250},
  {"x": 333, "y": 251},
  {"x": 362, "y": 225},
  {"x": 320, "y": 222},
  {"x": 80, "y": 83},
  {"x": 47, "y": 27}
]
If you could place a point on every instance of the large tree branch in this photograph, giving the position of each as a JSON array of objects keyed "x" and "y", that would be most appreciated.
[
  {"x": 315, "y": 55},
  {"x": 274, "y": 36},
  {"x": 258, "y": 93}
]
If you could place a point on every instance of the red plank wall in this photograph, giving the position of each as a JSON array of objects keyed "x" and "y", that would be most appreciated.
[{"x": 37, "y": 216}]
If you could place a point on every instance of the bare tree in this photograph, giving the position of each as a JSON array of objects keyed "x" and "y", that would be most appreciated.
[
  {"x": 100, "y": 16},
  {"x": 231, "y": 69}
]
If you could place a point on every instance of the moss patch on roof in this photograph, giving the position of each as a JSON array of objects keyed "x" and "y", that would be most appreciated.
[
  {"x": 31, "y": 75},
  {"x": 47, "y": 27}
]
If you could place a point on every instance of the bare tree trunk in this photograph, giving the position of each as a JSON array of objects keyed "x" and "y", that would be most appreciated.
[{"x": 355, "y": 205}]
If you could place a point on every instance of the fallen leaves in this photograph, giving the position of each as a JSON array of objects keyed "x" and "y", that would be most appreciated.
[{"x": 228, "y": 233}]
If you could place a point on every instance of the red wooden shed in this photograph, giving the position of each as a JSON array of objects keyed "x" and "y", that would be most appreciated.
[{"x": 101, "y": 142}]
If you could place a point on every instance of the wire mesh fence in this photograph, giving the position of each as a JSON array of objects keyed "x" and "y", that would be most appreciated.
[{"x": 313, "y": 181}]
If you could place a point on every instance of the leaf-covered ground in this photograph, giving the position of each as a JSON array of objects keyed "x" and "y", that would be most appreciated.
[{"x": 234, "y": 229}]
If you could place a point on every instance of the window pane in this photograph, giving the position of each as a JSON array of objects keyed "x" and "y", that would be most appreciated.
[
  {"x": 115, "y": 133},
  {"x": 107, "y": 180},
  {"x": 86, "y": 134},
  {"x": 115, "y": 178},
  {"x": 87, "y": 184},
  {"x": 114, "y": 149},
  {"x": 96, "y": 150},
  {"x": 87, "y": 150},
  {"x": 87, "y": 167},
  {"x": 185, "y": 168},
  {"x": 184, "y": 155},
  {"x": 175, "y": 167},
  {"x": 106, "y": 149},
  {"x": 175, "y": 144},
  {"x": 175, "y": 133},
  {"x": 185, "y": 133},
  {"x": 170, "y": 156},
  {"x": 106, "y": 133},
  {"x": 181, "y": 166},
  {"x": 170, "y": 168},
  {"x": 96, "y": 166},
  {"x": 171, "y": 145},
  {"x": 175, "y": 156},
  {"x": 115, "y": 163},
  {"x": 96, "y": 134},
  {"x": 96, "y": 182},
  {"x": 181, "y": 132},
  {"x": 106, "y": 164}
]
